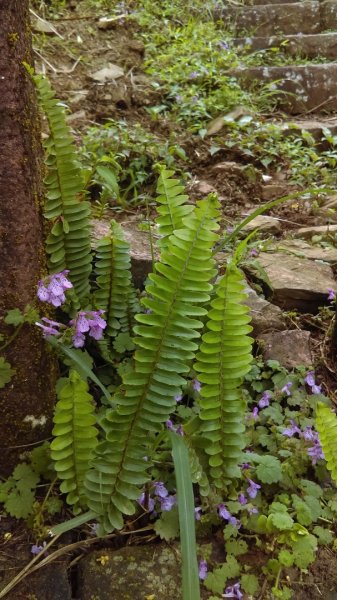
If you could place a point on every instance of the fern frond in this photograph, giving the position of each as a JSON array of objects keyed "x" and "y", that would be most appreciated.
[
  {"x": 165, "y": 341},
  {"x": 113, "y": 277},
  {"x": 326, "y": 424},
  {"x": 172, "y": 209},
  {"x": 223, "y": 360},
  {"x": 68, "y": 243},
  {"x": 75, "y": 436}
]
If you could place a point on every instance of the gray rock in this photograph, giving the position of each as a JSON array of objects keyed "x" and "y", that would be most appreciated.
[
  {"x": 49, "y": 583},
  {"x": 108, "y": 73},
  {"x": 309, "y": 232},
  {"x": 303, "y": 249},
  {"x": 296, "y": 283},
  {"x": 132, "y": 573},
  {"x": 263, "y": 223},
  {"x": 290, "y": 348},
  {"x": 265, "y": 316},
  {"x": 310, "y": 46}
]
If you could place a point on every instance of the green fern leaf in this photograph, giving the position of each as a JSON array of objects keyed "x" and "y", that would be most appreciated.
[
  {"x": 172, "y": 209},
  {"x": 326, "y": 424},
  {"x": 75, "y": 436},
  {"x": 68, "y": 243},
  {"x": 224, "y": 358},
  {"x": 165, "y": 342}
]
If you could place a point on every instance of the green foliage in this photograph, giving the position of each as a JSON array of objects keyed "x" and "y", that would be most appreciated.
[
  {"x": 6, "y": 372},
  {"x": 68, "y": 243},
  {"x": 326, "y": 423},
  {"x": 249, "y": 584},
  {"x": 172, "y": 207},
  {"x": 167, "y": 526},
  {"x": 75, "y": 436},
  {"x": 216, "y": 581},
  {"x": 146, "y": 398},
  {"x": 222, "y": 362}
]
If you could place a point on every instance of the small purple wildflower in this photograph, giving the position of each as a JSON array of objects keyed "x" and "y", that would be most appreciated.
[
  {"x": 202, "y": 570},
  {"x": 315, "y": 452},
  {"x": 194, "y": 99},
  {"x": 194, "y": 74},
  {"x": 35, "y": 549},
  {"x": 331, "y": 295},
  {"x": 223, "y": 45},
  {"x": 197, "y": 512},
  {"x": 196, "y": 385},
  {"x": 178, "y": 397},
  {"x": 286, "y": 387},
  {"x": 292, "y": 430},
  {"x": 310, "y": 381},
  {"x": 51, "y": 289},
  {"x": 169, "y": 425},
  {"x": 242, "y": 499},
  {"x": 89, "y": 322},
  {"x": 226, "y": 515},
  {"x": 167, "y": 503},
  {"x": 146, "y": 502},
  {"x": 178, "y": 98},
  {"x": 51, "y": 328},
  {"x": 253, "y": 510},
  {"x": 310, "y": 435},
  {"x": 229, "y": 229},
  {"x": 253, "y": 253},
  {"x": 233, "y": 591},
  {"x": 180, "y": 430},
  {"x": 265, "y": 399},
  {"x": 253, "y": 489},
  {"x": 254, "y": 414},
  {"x": 245, "y": 466},
  {"x": 160, "y": 490}
]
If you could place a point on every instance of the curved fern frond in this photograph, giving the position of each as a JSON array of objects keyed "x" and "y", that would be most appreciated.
[
  {"x": 75, "y": 436},
  {"x": 68, "y": 243},
  {"x": 223, "y": 360},
  {"x": 326, "y": 424},
  {"x": 165, "y": 341},
  {"x": 113, "y": 277},
  {"x": 172, "y": 209}
]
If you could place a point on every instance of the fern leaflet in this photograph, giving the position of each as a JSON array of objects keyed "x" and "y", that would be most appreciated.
[
  {"x": 172, "y": 209},
  {"x": 326, "y": 424}
]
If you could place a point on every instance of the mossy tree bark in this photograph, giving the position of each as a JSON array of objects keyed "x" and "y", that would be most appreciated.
[{"x": 26, "y": 401}]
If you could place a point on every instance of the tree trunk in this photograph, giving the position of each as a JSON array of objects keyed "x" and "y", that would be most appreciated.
[{"x": 26, "y": 401}]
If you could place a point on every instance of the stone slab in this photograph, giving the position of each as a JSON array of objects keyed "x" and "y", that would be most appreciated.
[
  {"x": 269, "y": 19},
  {"x": 305, "y": 250},
  {"x": 295, "y": 283},
  {"x": 290, "y": 348},
  {"x": 302, "y": 87},
  {"x": 264, "y": 224},
  {"x": 328, "y": 14},
  {"x": 309, "y": 232},
  {"x": 265, "y": 316},
  {"x": 131, "y": 573},
  {"x": 309, "y": 46}
]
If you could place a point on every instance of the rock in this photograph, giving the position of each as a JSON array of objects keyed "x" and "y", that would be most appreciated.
[
  {"x": 131, "y": 573},
  {"x": 204, "y": 188},
  {"x": 310, "y": 46},
  {"x": 273, "y": 191},
  {"x": 137, "y": 46},
  {"x": 265, "y": 316},
  {"x": 49, "y": 583},
  {"x": 109, "y": 73},
  {"x": 296, "y": 283},
  {"x": 228, "y": 166},
  {"x": 329, "y": 15},
  {"x": 305, "y": 250},
  {"x": 40, "y": 25},
  {"x": 263, "y": 223},
  {"x": 309, "y": 232},
  {"x": 290, "y": 348}
]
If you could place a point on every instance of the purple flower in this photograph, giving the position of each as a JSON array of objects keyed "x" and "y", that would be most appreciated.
[
  {"x": 146, "y": 502},
  {"x": 178, "y": 397},
  {"x": 265, "y": 399},
  {"x": 233, "y": 591},
  {"x": 197, "y": 512},
  {"x": 194, "y": 74},
  {"x": 51, "y": 328},
  {"x": 90, "y": 322},
  {"x": 253, "y": 253},
  {"x": 160, "y": 490},
  {"x": 253, "y": 510},
  {"x": 51, "y": 289},
  {"x": 178, "y": 98},
  {"x": 315, "y": 452},
  {"x": 255, "y": 413},
  {"x": 223, "y": 45},
  {"x": 310, "y": 381},
  {"x": 196, "y": 385},
  {"x": 331, "y": 295},
  {"x": 286, "y": 387},
  {"x": 180, "y": 430},
  {"x": 169, "y": 425},
  {"x": 37, "y": 549},
  {"x": 242, "y": 499},
  {"x": 310, "y": 435},
  {"x": 168, "y": 502},
  {"x": 292, "y": 430},
  {"x": 253, "y": 489},
  {"x": 226, "y": 515},
  {"x": 245, "y": 466},
  {"x": 202, "y": 570}
]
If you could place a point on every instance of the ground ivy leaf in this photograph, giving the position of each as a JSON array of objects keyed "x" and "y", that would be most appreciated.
[
  {"x": 311, "y": 488},
  {"x": 281, "y": 521},
  {"x": 14, "y": 317},
  {"x": 167, "y": 526},
  {"x": 286, "y": 558},
  {"x": 236, "y": 547},
  {"x": 325, "y": 537},
  {"x": 304, "y": 551},
  {"x": 249, "y": 584},
  {"x": 6, "y": 372},
  {"x": 216, "y": 581},
  {"x": 19, "y": 505},
  {"x": 269, "y": 469},
  {"x": 303, "y": 512}
]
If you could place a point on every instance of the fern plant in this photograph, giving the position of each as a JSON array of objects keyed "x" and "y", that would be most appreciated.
[
  {"x": 326, "y": 423},
  {"x": 75, "y": 436},
  {"x": 172, "y": 207},
  {"x": 165, "y": 346},
  {"x": 68, "y": 243},
  {"x": 222, "y": 362}
]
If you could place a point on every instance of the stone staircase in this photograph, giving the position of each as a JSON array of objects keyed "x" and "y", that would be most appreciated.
[{"x": 305, "y": 30}]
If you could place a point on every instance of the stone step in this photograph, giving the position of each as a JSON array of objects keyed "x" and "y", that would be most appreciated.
[
  {"x": 290, "y": 18},
  {"x": 308, "y": 87},
  {"x": 308, "y": 46},
  {"x": 261, "y": 2}
]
